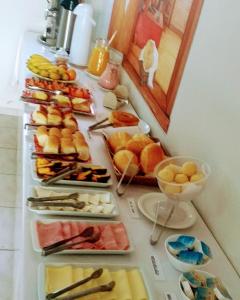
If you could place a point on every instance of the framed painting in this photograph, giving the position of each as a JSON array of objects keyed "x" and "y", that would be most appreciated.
[{"x": 155, "y": 37}]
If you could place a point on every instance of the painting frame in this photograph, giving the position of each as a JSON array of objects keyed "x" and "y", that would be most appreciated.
[{"x": 162, "y": 104}]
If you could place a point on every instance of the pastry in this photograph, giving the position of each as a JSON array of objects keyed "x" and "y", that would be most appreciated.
[
  {"x": 54, "y": 132},
  {"x": 79, "y": 136},
  {"x": 51, "y": 145},
  {"x": 80, "y": 104},
  {"x": 150, "y": 156},
  {"x": 62, "y": 100},
  {"x": 121, "y": 118},
  {"x": 121, "y": 160},
  {"x": 137, "y": 143},
  {"x": 118, "y": 140},
  {"x": 82, "y": 149},
  {"x": 54, "y": 119},
  {"x": 67, "y": 146},
  {"x": 66, "y": 132},
  {"x": 40, "y": 95},
  {"x": 39, "y": 117},
  {"x": 53, "y": 110}
]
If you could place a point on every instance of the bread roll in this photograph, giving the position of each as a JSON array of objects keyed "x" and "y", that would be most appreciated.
[
  {"x": 51, "y": 145},
  {"x": 82, "y": 149},
  {"x": 62, "y": 100},
  {"x": 137, "y": 143},
  {"x": 70, "y": 123},
  {"x": 40, "y": 95},
  {"x": 67, "y": 146},
  {"x": 54, "y": 119},
  {"x": 42, "y": 135},
  {"x": 118, "y": 140},
  {"x": 121, "y": 160},
  {"x": 79, "y": 136},
  {"x": 39, "y": 117},
  {"x": 54, "y": 132},
  {"x": 66, "y": 132},
  {"x": 121, "y": 118},
  {"x": 150, "y": 156}
]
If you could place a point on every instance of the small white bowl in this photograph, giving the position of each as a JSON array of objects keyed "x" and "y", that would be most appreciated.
[
  {"x": 177, "y": 263},
  {"x": 180, "y": 279}
]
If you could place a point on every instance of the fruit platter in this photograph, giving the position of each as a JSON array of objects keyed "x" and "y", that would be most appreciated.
[{"x": 43, "y": 68}]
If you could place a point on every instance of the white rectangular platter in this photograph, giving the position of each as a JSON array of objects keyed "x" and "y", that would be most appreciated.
[
  {"x": 79, "y": 213},
  {"x": 110, "y": 267},
  {"x": 38, "y": 249}
]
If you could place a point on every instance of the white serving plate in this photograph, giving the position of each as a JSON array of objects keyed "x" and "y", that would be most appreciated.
[
  {"x": 147, "y": 204},
  {"x": 114, "y": 213},
  {"x": 111, "y": 267},
  {"x": 70, "y": 182},
  {"x": 38, "y": 249}
]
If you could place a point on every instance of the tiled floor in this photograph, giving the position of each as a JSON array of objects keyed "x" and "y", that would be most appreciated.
[{"x": 10, "y": 208}]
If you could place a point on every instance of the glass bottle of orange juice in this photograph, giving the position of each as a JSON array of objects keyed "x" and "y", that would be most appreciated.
[{"x": 99, "y": 57}]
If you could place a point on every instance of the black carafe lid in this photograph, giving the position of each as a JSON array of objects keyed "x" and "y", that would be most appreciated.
[{"x": 69, "y": 4}]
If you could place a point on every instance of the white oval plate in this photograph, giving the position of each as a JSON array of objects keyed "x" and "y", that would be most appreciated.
[{"x": 185, "y": 218}]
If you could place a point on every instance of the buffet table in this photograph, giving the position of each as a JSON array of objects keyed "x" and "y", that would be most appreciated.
[{"x": 160, "y": 276}]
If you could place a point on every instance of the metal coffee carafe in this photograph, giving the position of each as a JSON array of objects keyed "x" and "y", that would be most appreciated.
[
  {"x": 49, "y": 36},
  {"x": 67, "y": 20}
]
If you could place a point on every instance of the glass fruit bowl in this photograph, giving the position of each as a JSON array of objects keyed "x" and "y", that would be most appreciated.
[{"x": 182, "y": 178}]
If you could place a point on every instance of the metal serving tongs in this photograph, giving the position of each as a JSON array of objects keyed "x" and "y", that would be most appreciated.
[
  {"x": 119, "y": 190},
  {"x": 100, "y": 125},
  {"x": 88, "y": 234},
  {"x": 61, "y": 174},
  {"x": 36, "y": 88},
  {"x": 98, "y": 289},
  {"x": 96, "y": 274},
  {"x": 156, "y": 231}
]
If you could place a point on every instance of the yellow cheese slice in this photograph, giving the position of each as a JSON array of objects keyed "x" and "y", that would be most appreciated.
[
  {"x": 137, "y": 285},
  {"x": 105, "y": 278},
  {"x": 57, "y": 278},
  {"x": 77, "y": 276},
  {"x": 122, "y": 288}
]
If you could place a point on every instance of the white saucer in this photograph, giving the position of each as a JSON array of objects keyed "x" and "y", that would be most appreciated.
[{"x": 183, "y": 217}]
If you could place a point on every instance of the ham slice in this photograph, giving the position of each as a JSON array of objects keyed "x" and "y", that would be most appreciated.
[
  {"x": 120, "y": 235},
  {"x": 67, "y": 230},
  {"x": 74, "y": 228},
  {"x": 107, "y": 238},
  {"x": 49, "y": 233}
]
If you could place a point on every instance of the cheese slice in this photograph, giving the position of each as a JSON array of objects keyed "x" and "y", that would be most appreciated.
[
  {"x": 57, "y": 278},
  {"x": 77, "y": 276},
  {"x": 137, "y": 285},
  {"x": 122, "y": 288}
]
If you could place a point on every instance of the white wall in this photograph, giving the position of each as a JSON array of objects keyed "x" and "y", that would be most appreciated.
[
  {"x": 205, "y": 121},
  {"x": 16, "y": 17}
]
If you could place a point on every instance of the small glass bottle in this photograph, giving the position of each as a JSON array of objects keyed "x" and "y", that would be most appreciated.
[{"x": 99, "y": 57}]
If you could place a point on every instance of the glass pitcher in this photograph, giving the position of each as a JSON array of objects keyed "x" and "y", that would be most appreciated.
[
  {"x": 110, "y": 77},
  {"x": 99, "y": 57}
]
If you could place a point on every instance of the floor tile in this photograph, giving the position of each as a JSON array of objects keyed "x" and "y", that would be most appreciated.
[
  {"x": 8, "y": 190},
  {"x": 9, "y": 121},
  {"x": 6, "y": 274},
  {"x": 8, "y": 137},
  {"x": 18, "y": 229},
  {"x": 8, "y": 161},
  {"x": 7, "y": 228}
]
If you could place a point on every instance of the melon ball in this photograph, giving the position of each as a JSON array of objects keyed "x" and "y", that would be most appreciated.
[
  {"x": 197, "y": 177},
  {"x": 181, "y": 178},
  {"x": 189, "y": 168},
  {"x": 172, "y": 189},
  {"x": 174, "y": 168},
  {"x": 166, "y": 175}
]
